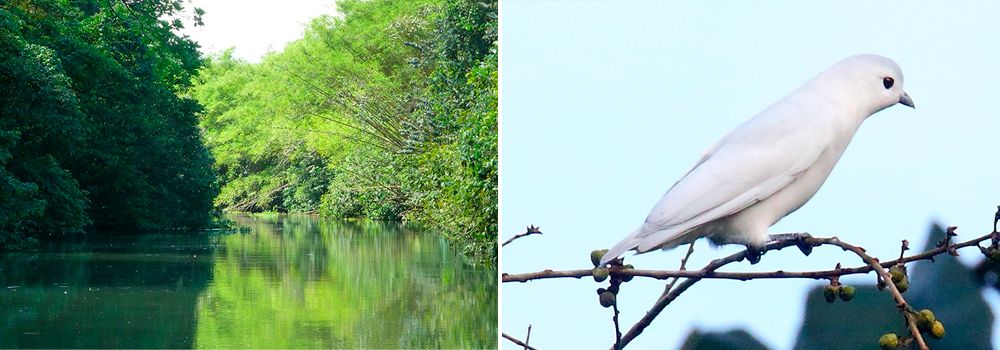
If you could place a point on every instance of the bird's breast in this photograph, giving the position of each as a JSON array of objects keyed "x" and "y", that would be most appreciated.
[{"x": 765, "y": 213}]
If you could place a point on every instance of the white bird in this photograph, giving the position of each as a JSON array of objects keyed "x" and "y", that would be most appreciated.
[{"x": 772, "y": 164}]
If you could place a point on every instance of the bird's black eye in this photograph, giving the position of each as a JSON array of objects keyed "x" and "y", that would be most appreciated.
[{"x": 887, "y": 82}]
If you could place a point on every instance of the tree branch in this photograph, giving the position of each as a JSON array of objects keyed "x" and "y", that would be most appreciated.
[
  {"x": 900, "y": 301},
  {"x": 668, "y": 296},
  {"x": 709, "y": 271},
  {"x": 518, "y": 342},
  {"x": 531, "y": 230},
  {"x": 527, "y": 338},
  {"x": 744, "y": 276},
  {"x": 682, "y": 268},
  {"x": 618, "y": 330}
]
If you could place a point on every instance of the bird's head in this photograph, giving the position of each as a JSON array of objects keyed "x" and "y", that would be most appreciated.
[{"x": 875, "y": 81}]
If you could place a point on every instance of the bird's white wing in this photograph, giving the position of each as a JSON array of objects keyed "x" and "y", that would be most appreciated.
[
  {"x": 683, "y": 209},
  {"x": 722, "y": 183},
  {"x": 757, "y": 160}
]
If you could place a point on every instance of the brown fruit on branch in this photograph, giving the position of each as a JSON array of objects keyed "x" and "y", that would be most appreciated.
[{"x": 607, "y": 299}]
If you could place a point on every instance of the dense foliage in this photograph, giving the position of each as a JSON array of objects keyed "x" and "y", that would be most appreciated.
[
  {"x": 92, "y": 129},
  {"x": 387, "y": 111}
]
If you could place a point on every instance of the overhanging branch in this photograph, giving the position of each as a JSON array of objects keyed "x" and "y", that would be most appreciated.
[{"x": 710, "y": 272}]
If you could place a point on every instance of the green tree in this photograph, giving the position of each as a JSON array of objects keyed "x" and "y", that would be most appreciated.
[
  {"x": 92, "y": 126},
  {"x": 385, "y": 112}
]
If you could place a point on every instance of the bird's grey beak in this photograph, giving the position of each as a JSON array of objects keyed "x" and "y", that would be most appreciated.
[{"x": 906, "y": 100}]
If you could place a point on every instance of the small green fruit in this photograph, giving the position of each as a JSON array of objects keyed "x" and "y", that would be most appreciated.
[
  {"x": 993, "y": 253},
  {"x": 897, "y": 272},
  {"x": 600, "y": 274},
  {"x": 607, "y": 299},
  {"x": 937, "y": 330},
  {"x": 846, "y": 293},
  {"x": 830, "y": 293},
  {"x": 888, "y": 341},
  {"x": 925, "y": 320},
  {"x": 903, "y": 284},
  {"x": 627, "y": 267},
  {"x": 595, "y": 256}
]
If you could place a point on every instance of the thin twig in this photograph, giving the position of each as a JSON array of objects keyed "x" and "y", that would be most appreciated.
[
  {"x": 527, "y": 338},
  {"x": 744, "y": 276},
  {"x": 518, "y": 342},
  {"x": 531, "y": 230},
  {"x": 903, "y": 248},
  {"x": 896, "y": 295},
  {"x": 618, "y": 330},
  {"x": 682, "y": 268}
]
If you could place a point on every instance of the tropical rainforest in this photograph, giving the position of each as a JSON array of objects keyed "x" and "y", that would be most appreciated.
[{"x": 111, "y": 118}]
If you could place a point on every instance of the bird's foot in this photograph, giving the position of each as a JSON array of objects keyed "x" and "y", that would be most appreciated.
[
  {"x": 754, "y": 254},
  {"x": 799, "y": 237}
]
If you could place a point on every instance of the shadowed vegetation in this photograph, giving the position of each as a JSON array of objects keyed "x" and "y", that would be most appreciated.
[{"x": 93, "y": 126}]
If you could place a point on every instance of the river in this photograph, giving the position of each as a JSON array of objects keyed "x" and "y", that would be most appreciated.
[{"x": 293, "y": 281}]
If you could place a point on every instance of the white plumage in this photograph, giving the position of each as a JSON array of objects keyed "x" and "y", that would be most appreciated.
[{"x": 771, "y": 164}]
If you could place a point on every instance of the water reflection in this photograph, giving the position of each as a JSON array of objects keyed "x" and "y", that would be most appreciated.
[
  {"x": 300, "y": 282},
  {"x": 293, "y": 282},
  {"x": 111, "y": 291}
]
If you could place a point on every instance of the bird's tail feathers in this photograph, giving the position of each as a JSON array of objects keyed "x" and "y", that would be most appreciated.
[
  {"x": 664, "y": 239},
  {"x": 625, "y": 245}
]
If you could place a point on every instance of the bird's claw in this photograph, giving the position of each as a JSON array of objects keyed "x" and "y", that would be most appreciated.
[
  {"x": 753, "y": 255},
  {"x": 799, "y": 238},
  {"x": 805, "y": 248}
]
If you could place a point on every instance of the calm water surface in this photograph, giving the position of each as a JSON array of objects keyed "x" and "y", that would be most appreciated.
[{"x": 292, "y": 282}]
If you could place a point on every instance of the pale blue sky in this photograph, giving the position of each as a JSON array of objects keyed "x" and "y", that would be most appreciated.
[{"x": 604, "y": 104}]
